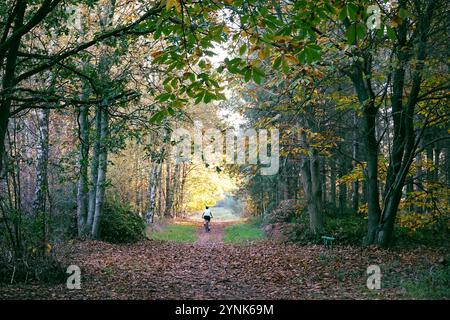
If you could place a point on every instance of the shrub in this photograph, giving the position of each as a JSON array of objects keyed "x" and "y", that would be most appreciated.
[
  {"x": 119, "y": 224},
  {"x": 286, "y": 211},
  {"x": 25, "y": 255},
  {"x": 433, "y": 235},
  {"x": 349, "y": 229}
]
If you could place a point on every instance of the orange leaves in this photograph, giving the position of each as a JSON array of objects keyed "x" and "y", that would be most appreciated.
[
  {"x": 156, "y": 54},
  {"x": 291, "y": 59},
  {"x": 266, "y": 270}
]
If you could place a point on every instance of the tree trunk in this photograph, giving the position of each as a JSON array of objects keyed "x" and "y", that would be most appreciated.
[
  {"x": 310, "y": 174},
  {"x": 333, "y": 183},
  {"x": 152, "y": 185},
  {"x": 418, "y": 177},
  {"x": 83, "y": 181},
  {"x": 367, "y": 100},
  {"x": 94, "y": 169},
  {"x": 404, "y": 145},
  {"x": 355, "y": 154},
  {"x": 447, "y": 160},
  {"x": 168, "y": 212},
  {"x": 437, "y": 163},
  {"x": 323, "y": 179},
  {"x": 342, "y": 186},
  {"x": 8, "y": 77},
  {"x": 41, "y": 190},
  {"x": 102, "y": 165},
  {"x": 316, "y": 218},
  {"x": 373, "y": 197}
]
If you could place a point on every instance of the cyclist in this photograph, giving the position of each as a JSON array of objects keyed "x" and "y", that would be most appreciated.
[{"x": 207, "y": 215}]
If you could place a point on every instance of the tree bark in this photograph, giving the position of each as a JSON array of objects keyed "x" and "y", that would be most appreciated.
[
  {"x": 152, "y": 187},
  {"x": 332, "y": 165},
  {"x": 367, "y": 100},
  {"x": 94, "y": 169},
  {"x": 83, "y": 180},
  {"x": 355, "y": 154},
  {"x": 41, "y": 189},
  {"x": 310, "y": 174},
  {"x": 102, "y": 165},
  {"x": 342, "y": 186},
  {"x": 9, "y": 77},
  {"x": 168, "y": 212},
  {"x": 406, "y": 138}
]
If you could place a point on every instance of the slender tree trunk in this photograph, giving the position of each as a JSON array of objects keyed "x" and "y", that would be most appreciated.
[
  {"x": 285, "y": 181},
  {"x": 370, "y": 111},
  {"x": 153, "y": 182},
  {"x": 333, "y": 183},
  {"x": 437, "y": 163},
  {"x": 373, "y": 193},
  {"x": 355, "y": 154},
  {"x": 430, "y": 162},
  {"x": 168, "y": 212},
  {"x": 83, "y": 181},
  {"x": 323, "y": 179},
  {"x": 41, "y": 190},
  {"x": 342, "y": 186},
  {"x": 94, "y": 169},
  {"x": 316, "y": 188},
  {"x": 101, "y": 178},
  {"x": 310, "y": 174},
  {"x": 447, "y": 160},
  {"x": 160, "y": 188}
]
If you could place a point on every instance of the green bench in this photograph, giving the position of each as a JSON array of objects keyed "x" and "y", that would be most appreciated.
[{"x": 328, "y": 241}]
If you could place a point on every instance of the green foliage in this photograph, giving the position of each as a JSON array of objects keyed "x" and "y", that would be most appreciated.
[
  {"x": 118, "y": 224},
  {"x": 432, "y": 283},
  {"x": 25, "y": 254},
  {"x": 425, "y": 280},
  {"x": 347, "y": 230},
  {"x": 46, "y": 269},
  {"x": 243, "y": 232},
  {"x": 175, "y": 232},
  {"x": 434, "y": 235}
]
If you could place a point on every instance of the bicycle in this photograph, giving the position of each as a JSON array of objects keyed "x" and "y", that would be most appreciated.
[
  {"x": 207, "y": 215},
  {"x": 206, "y": 224}
]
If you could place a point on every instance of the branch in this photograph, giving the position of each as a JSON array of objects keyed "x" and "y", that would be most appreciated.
[
  {"x": 40, "y": 14},
  {"x": 118, "y": 31},
  {"x": 129, "y": 95}
]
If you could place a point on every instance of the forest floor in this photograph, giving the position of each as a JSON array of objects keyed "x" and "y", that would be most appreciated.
[{"x": 212, "y": 269}]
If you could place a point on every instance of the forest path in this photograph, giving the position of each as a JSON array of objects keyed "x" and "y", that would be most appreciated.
[
  {"x": 210, "y": 268},
  {"x": 212, "y": 238}
]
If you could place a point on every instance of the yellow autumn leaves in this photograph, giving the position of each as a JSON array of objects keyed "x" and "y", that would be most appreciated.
[{"x": 173, "y": 3}]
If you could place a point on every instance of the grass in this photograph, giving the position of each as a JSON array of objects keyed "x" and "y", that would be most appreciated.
[
  {"x": 175, "y": 232},
  {"x": 425, "y": 280},
  {"x": 431, "y": 284},
  {"x": 243, "y": 232}
]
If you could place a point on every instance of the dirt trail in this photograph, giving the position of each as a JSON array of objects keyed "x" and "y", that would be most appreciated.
[{"x": 212, "y": 238}]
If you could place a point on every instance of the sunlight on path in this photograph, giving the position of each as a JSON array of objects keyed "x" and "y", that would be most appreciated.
[
  {"x": 219, "y": 214},
  {"x": 221, "y": 217}
]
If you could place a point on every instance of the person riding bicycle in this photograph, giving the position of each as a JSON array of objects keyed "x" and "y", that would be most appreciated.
[{"x": 207, "y": 215}]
